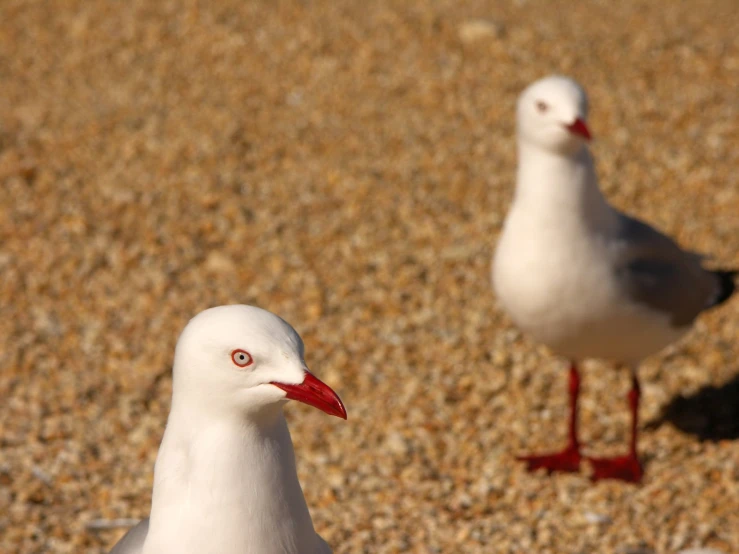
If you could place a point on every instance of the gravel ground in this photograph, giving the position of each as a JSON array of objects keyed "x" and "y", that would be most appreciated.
[{"x": 347, "y": 165}]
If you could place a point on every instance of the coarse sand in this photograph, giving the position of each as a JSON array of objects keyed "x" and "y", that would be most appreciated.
[{"x": 348, "y": 165}]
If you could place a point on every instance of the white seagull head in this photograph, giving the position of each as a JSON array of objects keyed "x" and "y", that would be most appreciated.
[
  {"x": 552, "y": 113},
  {"x": 242, "y": 359}
]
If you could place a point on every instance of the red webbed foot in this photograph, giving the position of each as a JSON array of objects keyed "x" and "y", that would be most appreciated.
[
  {"x": 624, "y": 468},
  {"x": 568, "y": 460}
]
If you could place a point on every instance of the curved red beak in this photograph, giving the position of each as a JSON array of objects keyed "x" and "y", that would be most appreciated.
[
  {"x": 578, "y": 127},
  {"x": 316, "y": 393}
]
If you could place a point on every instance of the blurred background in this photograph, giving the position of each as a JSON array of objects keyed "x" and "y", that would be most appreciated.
[{"x": 347, "y": 165}]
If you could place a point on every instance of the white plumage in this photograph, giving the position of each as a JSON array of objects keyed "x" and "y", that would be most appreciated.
[
  {"x": 225, "y": 480},
  {"x": 580, "y": 276}
]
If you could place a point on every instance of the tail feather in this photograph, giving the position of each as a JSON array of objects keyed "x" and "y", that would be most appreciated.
[{"x": 726, "y": 286}]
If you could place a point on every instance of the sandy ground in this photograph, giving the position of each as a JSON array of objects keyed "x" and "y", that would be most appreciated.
[{"x": 347, "y": 165}]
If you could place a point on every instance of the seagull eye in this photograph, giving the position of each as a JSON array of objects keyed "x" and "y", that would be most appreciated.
[
  {"x": 241, "y": 358},
  {"x": 542, "y": 106}
]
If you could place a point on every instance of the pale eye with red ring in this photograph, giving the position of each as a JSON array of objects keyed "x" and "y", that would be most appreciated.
[
  {"x": 542, "y": 106},
  {"x": 241, "y": 358}
]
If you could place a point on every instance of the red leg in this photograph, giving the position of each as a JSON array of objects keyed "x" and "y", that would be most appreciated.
[
  {"x": 625, "y": 468},
  {"x": 569, "y": 458}
]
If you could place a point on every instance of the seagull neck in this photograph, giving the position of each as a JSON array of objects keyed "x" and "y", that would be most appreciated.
[
  {"x": 222, "y": 482},
  {"x": 563, "y": 183}
]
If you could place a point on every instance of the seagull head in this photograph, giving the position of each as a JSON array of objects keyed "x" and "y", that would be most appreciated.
[
  {"x": 245, "y": 359},
  {"x": 552, "y": 113}
]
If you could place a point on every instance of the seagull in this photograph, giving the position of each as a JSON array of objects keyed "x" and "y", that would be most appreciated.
[
  {"x": 580, "y": 276},
  {"x": 225, "y": 480}
]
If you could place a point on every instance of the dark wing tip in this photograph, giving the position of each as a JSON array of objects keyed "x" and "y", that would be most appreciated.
[{"x": 726, "y": 286}]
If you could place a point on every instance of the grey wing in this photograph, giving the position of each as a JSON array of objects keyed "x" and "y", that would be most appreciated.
[
  {"x": 653, "y": 270},
  {"x": 323, "y": 547},
  {"x": 133, "y": 541}
]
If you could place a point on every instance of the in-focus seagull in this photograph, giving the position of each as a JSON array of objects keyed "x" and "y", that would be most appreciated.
[
  {"x": 582, "y": 277},
  {"x": 225, "y": 480}
]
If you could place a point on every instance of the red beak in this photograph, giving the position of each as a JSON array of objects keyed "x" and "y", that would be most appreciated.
[
  {"x": 578, "y": 127},
  {"x": 316, "y": 393}
]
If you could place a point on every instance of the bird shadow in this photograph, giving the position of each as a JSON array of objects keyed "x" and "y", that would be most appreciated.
[{"x": 711, "y": 414}]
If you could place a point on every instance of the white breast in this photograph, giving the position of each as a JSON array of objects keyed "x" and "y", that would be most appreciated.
[
  {"x": 231, "y": 489},
  {"x": 556, "y": 283}
]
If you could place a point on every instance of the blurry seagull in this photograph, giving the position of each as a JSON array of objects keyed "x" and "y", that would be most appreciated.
[{"x": 580, "y": 276}]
